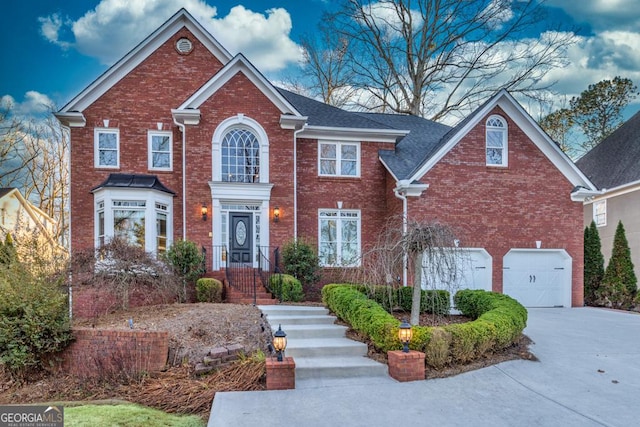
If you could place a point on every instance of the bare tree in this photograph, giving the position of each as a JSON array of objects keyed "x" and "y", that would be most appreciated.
[
  {"x": 558, "y": 125},
  {"x": 435, "y": 58},
  {"x": 327, "y": 73},
  {"x": 13, "y": 156},
  {"x": 431, "y": 251}
]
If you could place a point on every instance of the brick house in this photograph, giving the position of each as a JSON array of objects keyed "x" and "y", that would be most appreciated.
[{"x": 184, "y": 136}]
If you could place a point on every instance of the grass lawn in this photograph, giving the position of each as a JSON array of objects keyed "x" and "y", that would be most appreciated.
[{"x": 125, "y": 415}]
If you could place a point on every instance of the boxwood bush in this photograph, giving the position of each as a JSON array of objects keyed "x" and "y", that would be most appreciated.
[
  {"x": 208, "y": 290},
  {"x": 286, "y": 288},
  {"x": 432, "y": 301},
  {"x": 498, "y": 322}
]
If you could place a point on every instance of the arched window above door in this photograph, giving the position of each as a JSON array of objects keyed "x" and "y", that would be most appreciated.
[{"x": 240, "y": 156}]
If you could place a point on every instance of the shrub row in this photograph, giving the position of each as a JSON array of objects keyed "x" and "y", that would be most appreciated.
[
  {"x": 208, "y": 290},
  {"x": 499, "y": 321},
  {"x": 390, "y": 298},
  {"x": 286, "y": 288}
]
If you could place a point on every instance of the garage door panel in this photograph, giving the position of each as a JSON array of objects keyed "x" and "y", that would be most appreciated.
[{"x": 538, "y": 278}]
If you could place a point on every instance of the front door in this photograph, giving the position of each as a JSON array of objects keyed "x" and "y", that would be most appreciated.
[{"x": 240, "y": 237}]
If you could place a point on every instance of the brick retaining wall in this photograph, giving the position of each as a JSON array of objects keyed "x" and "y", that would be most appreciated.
[{"x": 115, "y": 352}]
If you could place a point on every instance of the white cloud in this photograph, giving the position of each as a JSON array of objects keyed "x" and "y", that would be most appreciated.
[
  {"x": 33, "y": 104},
  {"x": 116, "y": 26},
  {"x": 602, "y": 14}
]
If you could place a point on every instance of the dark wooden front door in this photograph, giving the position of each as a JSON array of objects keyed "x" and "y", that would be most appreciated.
[{"x": 241, "y": 237}]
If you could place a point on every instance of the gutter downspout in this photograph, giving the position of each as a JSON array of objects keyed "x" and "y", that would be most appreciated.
[
  {"x": 405, "y": 259},
  {"x": 67, "y": 129},
  {"x": 295, "y": 182},
  {"x": 183, "y": 130}
]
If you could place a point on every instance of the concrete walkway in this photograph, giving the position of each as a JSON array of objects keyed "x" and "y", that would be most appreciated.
[{"x": 588, "y": 375}]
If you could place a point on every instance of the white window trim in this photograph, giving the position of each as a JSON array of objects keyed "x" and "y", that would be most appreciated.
[
  {"x": 595, "y": 209},
  {"x": 150, "y": 136},
  {"x": 108, "y": 195},
  {"x": 96, "y": 148},
  {"x": 339, "y": 236},
  {"x": 239, "y": 121},
  {"x": 338, "y": 145},
  {"x": 505, "y": 148}
]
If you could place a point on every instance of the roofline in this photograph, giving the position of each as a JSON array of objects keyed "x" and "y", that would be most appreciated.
[
  {"x": 619, "y": 190},
  {"x": 138, "y": 54},
  {"x": 386, "y": 166},
  {"x": 240, "y": 63},
  {"x": 72, "y": 119},
  {"x": 506, "y": 101},
  {"x": 353, "y": 134}
]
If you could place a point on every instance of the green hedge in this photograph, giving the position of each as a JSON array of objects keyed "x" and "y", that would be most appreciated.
[
  {"x": 286, "y": 288},
  {"x": 208, "y": 290},
  {"x": 499, "y": 321},
  {"x": 432, "y": 301}
]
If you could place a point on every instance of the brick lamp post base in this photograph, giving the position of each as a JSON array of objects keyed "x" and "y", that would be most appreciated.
[
  {"x": 406, "y": 366},
  {"x": 281, "y": 375}
]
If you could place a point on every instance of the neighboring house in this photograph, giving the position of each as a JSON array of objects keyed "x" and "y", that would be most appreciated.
[
  {"x": 614, "y": 167},
  {"x": 180, "y": 139},
  {"x": 21, "y": 218}
]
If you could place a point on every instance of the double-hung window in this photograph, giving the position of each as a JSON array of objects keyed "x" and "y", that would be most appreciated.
[
  {"x": 339, "y": 238},
  {"x": 496, "y": 141},
  {"x": 600, "y": 213},
  {"x": 160, "y": 154},
  {"x": 338, "y": 159},
  {"x": 107, "y": 148}
]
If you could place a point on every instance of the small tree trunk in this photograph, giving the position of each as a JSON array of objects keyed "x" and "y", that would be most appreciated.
[{"x": 417, "y": 291}]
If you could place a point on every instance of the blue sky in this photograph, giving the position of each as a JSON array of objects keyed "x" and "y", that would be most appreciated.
[{"x": 52, "y": 50}]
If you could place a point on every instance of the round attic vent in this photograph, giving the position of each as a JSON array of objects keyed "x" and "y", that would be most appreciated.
[{"x": 184, "y": 45}]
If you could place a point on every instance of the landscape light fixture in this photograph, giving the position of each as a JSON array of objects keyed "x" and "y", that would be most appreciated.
[
  {"x": 204, "y": 211},
  {"x": 279, "y": 342},
  {"x": 276, "y": 214},
  {"x": 405, "y": 333}
]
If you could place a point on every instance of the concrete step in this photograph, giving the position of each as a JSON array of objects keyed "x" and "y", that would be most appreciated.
[
  {"x": 289, "y": 310},
  {"x": 338, "y": 367},
  {"x": 300, "y": 319},
  {"x": 325, "y": 347},
  {"x": 311, "y": 331}
]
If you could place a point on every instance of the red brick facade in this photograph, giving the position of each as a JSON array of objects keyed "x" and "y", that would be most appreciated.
[{"x": 495, "y": 208}]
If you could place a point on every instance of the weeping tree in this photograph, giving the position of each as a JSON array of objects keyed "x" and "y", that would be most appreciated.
[{"x": 427, "y": 247}]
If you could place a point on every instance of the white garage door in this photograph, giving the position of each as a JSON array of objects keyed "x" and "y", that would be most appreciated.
[
  {"x": 538, "y": 277},
  {"x": 473, "y": 271}
]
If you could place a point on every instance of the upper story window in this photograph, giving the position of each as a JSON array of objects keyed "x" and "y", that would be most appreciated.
[
  {"x": 496, "y": 141},
  {"x": 339, "y": 238},
  {"x": 160, "y": 150},
  {"x": 600, "y": 213},
  {"x": 240, "y": 156},
  {"x": 338, "y": 159},
  {"x": 107, "y": 148}
]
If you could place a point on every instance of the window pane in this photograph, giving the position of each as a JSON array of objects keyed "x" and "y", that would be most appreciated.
[
  {"x": 108, "y": 158},
  {"x": 161, "y": 231},
  {"x": 494, "y": 156},
  {"x": 328, "y": 231},
  {"x": 160, "y": 143},
  {"x": 495, "y": 139},
  {"x": 328, "y": 151},
  {"x": 161, "y": 160},
  {"x": 349, "y": 152},
  {"x": 129, "y": 225},
  {"x": 328, "y": 167},
  {"x": 107, "y": 140},
  {"x": 240, "y": 156},
  {"x": 348, "y": 167}
]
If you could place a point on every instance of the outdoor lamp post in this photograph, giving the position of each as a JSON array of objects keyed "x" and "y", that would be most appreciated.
[
  {"x": 280, "y": 342},
  {"x": 405, "y": 333}
]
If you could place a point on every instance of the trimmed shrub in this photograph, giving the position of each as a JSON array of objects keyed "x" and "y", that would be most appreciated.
[
  {"x": 186, "y": 260},
  {"x": 499, "y": 321},
  {"x": 286, "y": 288},
  {"x": 432, "y": 301},
  {"x": 593, "y": 263},
  {"x": 208, "y": 290},
  {"x": 300, "y": 260}
]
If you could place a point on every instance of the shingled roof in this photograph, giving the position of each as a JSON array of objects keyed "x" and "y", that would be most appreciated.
[
  {"x": 616, "y": 160},
  {"x": 122, "y": 180}
]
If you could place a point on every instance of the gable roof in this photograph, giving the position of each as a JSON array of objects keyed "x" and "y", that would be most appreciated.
[
  {"x": 142, "y": 51},
  {"x": 521, "y": 118},
  {"x": 616, "y": 160},
  {"x": 239, "y": 64}
]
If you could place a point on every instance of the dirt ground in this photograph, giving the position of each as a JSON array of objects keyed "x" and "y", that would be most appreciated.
[{"x": 194, "y": 329}]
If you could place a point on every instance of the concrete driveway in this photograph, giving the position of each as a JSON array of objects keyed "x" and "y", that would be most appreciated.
[{"x": 588, "y": 374}]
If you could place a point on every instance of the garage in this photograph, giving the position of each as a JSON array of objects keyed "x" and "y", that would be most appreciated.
[
  {"x": 538, "y": 277},
  {"x": 474, "y": 271}
]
